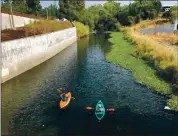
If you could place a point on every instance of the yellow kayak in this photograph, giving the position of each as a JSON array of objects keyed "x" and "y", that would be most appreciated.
[{"x": 64, "y": 104}]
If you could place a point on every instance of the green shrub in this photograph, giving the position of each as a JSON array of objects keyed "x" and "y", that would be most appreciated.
[
  {"x": 131, "y": 20},
  {"x": 118, "y": 26},
  {"x": 173, "y": 102},
  {"x": 82, "y": 30},
  {"x": 17, "y": 6}
]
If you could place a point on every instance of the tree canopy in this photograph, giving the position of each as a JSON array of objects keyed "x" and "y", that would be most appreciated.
[{"x": 109, "y": 16}]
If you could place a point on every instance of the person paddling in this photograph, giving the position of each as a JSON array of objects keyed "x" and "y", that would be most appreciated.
[
  {"x": 63, "y": 95},
  {"x": 100, "y": 109}
]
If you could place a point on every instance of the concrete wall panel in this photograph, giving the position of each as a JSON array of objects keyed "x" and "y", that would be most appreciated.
[{"x": 23, "y": 54}]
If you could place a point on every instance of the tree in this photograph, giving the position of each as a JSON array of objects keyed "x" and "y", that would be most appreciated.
[
  {"x": 174, "y": 13},
  {"x": 157, "y": 6},
  {"x": 17, "y": 5},
  {"x": 53, "y": 11},
  {"x": 34, "y": 5},
  {"x": 70, "y": 9},
  {"x": 167, "y": 15},
  {"x": 124, "y": 17},
  {"x": 112, "y": 7}
]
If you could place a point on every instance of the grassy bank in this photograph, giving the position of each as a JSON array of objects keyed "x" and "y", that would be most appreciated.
[
  {"x": 123, "y": 53},
  {"x": 82, "y": 30},
  {"x": 36, "y": 28},
  {"x": 173, "y": 102},
  {"x": 145, "y": 60},
  {"x": 162, "y": 58}
]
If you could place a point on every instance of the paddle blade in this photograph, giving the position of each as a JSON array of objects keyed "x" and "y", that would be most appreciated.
[
  {"x": 59, "y": 90},
  {"x": 72, "y": 98},
  {"x": 111, "y": 109},
  {"x": 88, "y": 108}
]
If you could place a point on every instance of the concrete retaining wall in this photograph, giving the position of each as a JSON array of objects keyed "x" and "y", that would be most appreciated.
[
  {"x": 23, "y": 54},
  {"x": 18, "y": 21}
]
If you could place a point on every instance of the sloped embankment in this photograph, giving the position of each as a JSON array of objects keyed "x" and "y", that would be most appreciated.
[{"x": 123, "y": 53}]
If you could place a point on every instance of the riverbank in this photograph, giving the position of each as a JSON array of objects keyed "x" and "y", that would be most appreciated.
[
  {"x": 161, "y": 30},
  {"x": 123, "y": 54},
  {"x": 161, "y": 52}
]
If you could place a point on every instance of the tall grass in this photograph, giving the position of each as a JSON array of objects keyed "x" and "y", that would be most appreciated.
[
  {"x": 150, "y": 23},
  {"x": 82, "y": 30},
  {"x": 35, "y": 28},
  {"x": 171, "y": 39},
  {"x": 45, "y": 26},
  {"x": 123, "y": 54},
  {"x": 162, "y": 58}
]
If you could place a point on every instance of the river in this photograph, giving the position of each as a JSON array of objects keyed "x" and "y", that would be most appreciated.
[{"x": 30, "y": 101}]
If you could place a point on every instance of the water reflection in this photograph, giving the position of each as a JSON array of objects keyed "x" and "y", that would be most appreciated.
[{"x": 82, "y": 48}]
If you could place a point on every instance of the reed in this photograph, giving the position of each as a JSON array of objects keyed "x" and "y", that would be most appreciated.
[{"x": 163, "y": 58}]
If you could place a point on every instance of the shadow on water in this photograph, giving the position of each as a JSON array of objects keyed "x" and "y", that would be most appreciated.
[{"x": 30, "y": 103}]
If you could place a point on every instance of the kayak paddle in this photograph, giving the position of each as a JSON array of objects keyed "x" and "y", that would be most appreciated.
[
  {"x": 89, "y": 108},
  {"x": 59, "y": 90},
  {"x": 73, "y": 98},
  {"x": 111, "y": 109}
]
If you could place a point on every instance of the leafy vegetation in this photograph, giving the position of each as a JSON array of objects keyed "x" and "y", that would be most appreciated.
[
  {"x": 173, "y": 102},
  {"x": 172, "y": 14},
  {"x": 51, "y": 11},
  {"x": 162, "y": 58},
  {"x": 18, "y": 6},
  {"x": 82, "y": 30},
  {"x": 31, "y": 7},
  {"x": 71, "y": 9},
  {"x": 107, "y": 17},
  {"x": 24, "y": 6},
  {"x": 45, "y": 26},
  {"x": 123, "y": 54}
]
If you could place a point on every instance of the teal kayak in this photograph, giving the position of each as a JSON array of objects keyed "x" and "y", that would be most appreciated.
[{"x": 99, "y": 110}]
